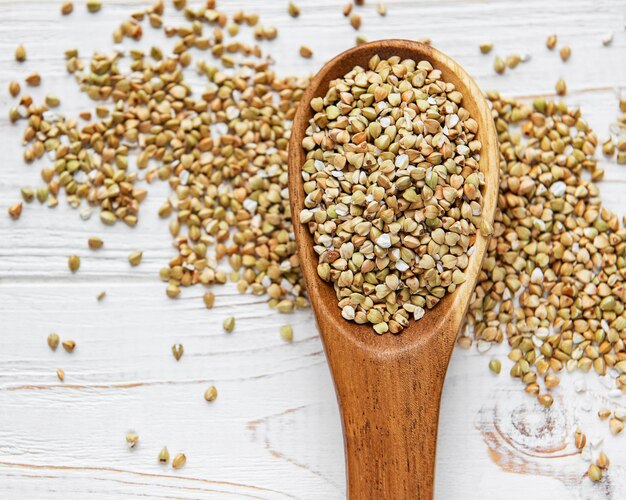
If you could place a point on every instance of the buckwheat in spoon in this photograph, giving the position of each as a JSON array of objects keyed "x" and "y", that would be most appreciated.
[{"x": 393, "y": 184}]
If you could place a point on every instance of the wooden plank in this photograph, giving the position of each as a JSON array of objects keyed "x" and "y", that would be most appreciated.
[{"x": 274, "y": 431}]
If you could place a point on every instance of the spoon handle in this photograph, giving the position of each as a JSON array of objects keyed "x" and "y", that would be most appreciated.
[{"x": 390, "y": 409}]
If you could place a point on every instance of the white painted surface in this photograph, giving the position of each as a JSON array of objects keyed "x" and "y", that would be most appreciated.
[{"x": 274, "y": 431}]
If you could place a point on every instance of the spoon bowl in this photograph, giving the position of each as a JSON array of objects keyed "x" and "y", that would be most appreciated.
[{"x": 389, "y": 386}]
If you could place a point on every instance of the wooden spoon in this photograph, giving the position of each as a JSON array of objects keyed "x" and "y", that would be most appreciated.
[{"x": 389, "y": 386}]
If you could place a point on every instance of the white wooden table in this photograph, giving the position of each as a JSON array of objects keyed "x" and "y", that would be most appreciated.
[{"x": 274, "y": 431}]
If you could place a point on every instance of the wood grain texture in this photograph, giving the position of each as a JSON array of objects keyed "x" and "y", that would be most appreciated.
[
  {"x": 389, "y": 386},
  {"x": 275, "y": 431}
]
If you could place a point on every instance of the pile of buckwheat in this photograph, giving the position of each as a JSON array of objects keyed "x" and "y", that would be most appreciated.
[
  {"x": 223, "y": 153},
  {"x": 553, "y": 283},
  {"x": 393, "y": 190}
]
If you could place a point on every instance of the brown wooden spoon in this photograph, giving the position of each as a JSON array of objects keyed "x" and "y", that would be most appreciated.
[{"x": 389, "y": 386}]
